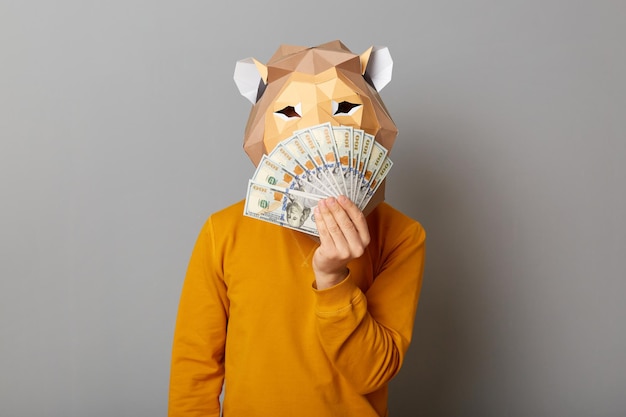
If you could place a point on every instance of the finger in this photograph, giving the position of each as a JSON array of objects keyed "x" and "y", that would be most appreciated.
[
  {"x": 325, "y": 239},
  {"x": 344, "y": 221},
  {"x": 356, "y": 217},
  {"x": 333, "y": 229}
]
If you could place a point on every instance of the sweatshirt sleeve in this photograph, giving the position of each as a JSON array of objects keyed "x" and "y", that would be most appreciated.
[
  {"x": 197, "y": 366},
  {"x": 366, "y": 335}
]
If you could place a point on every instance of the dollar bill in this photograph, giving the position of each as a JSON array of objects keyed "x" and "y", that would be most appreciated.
[
  {"x": 357, "y": 147},
  {"x": 315, "y": 163},
  {"x": 343, "y": 141},
  {"x": 315, "y": 170},
  {"x": 310, "y": 143},
  {"x": 285, "y": 159},
  {"x": 375, "y": 183},
  {"x": 281, "y": 206},
  {"x": 303, "y": 177},
  {"x": 323, "y": 135},
  {"x": 271, "y": 172},
  {"x": 366, "y": 150},
  {"x": 376, "y": 158}
]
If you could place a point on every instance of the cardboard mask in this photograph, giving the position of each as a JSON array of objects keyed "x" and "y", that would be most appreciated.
[{"x": 301, "y": 87}]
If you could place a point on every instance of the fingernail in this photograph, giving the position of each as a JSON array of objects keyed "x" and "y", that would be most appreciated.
[{"x": 331, "y": 201}]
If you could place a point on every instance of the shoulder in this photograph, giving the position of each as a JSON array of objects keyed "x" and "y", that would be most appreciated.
[
  {"x": 391, "y": 230},
  {"x": 230, "y": 223},
  {"x": 228, "y": 219},
  {"x": 232, "y": 213},
  {"x": 385, "y": 218}
]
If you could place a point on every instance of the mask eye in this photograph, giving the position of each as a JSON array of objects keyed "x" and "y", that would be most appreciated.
[
  {"x": 289, "y": 112},
  {"x": 345, "y": 108}
]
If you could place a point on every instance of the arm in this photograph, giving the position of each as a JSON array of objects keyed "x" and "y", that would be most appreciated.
[
  {"x": 197, "y": 368},
  {"x": 367, "y": 335}
]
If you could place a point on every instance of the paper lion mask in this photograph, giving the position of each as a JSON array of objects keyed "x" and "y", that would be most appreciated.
[{"x": 301, "y": 87}]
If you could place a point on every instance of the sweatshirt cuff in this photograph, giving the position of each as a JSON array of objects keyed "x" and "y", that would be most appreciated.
[{"x": 337, "y": 297}]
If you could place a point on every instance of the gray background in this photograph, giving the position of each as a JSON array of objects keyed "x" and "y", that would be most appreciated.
[{"x": 121, "y": 131}]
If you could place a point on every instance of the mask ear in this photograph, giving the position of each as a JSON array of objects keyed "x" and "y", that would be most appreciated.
[
  {"x": 377, "y": 65},
  {"x": 251, "y": 78}
]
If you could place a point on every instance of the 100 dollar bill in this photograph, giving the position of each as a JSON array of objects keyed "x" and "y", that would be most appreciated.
[{"x": 282, "y": 206}]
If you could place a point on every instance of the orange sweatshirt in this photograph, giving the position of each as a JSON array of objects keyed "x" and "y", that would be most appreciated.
[{"x": 249, "y": 316}]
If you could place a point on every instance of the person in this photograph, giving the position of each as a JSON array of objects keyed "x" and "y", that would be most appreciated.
[{"x": 285, "y": 324}]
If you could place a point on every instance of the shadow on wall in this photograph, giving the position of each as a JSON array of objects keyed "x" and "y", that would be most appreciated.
[{"x": 447, "y": 362}]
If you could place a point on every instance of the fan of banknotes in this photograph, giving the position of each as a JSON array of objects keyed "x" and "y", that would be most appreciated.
[{"x": 313, "y": 164}]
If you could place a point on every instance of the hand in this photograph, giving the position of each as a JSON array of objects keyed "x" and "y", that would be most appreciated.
[{"x": 343, "y": 236}]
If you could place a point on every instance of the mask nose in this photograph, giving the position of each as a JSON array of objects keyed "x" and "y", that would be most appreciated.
[{"x": 315, "y": 116}]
